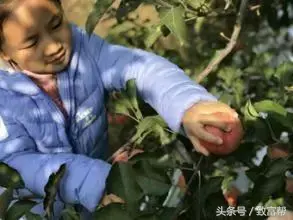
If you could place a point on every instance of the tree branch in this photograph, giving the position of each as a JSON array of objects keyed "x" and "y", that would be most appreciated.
[{"x": 230, "y": 45}]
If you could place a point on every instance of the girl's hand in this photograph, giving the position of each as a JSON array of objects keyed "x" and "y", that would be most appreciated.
[
  {"x": 199, "y": 115},
  {"x": 122, "y": 156},
  {"x": 110, "y": 198}
]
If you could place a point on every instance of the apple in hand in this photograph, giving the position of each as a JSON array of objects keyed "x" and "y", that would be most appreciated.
[{"x": 231, "y": 139}]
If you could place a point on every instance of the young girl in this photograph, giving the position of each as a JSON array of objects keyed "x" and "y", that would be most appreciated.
[{"x": 52, "y": 105}]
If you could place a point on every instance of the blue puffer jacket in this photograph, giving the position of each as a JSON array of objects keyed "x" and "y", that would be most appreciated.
[{"x": 35, "y": 139}]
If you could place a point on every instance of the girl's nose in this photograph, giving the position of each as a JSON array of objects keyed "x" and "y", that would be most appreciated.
[{"x": 53, "y": 49}]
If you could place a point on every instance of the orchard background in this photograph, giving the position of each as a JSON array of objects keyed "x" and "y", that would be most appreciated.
[{"x": 241, "y": 51}]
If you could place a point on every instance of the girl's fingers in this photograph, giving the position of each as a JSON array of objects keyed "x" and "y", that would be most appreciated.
[
  {"x": 111, "y": 198},
  {"x": 105, "y": 201},
  {"x": 209, "y": 107},
  {"x": 215, "y": 121},
  {"x": 122, "y": 157},
  {"x": 135, "y": 152},
  {"x": 204, "y": 135},
  {"x": 197, "y": 146},
  {"x": 115, "y": 199}
]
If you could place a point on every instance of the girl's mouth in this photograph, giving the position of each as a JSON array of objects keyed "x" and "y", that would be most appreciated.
[{"x": 59, "y": 58}]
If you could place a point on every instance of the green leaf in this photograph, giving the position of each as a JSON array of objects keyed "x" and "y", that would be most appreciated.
[
  {"x": 51, "y": 189},
  {"x": 238, "y": 88},
  {"x": 250, "y": 113},
  {"x": 112, "y": 212},
  {"x": 207, "y": 193},
  {"x": 157, "y": 160},
  {"x": 152, "y": 186},
  {"x": 213, "y": 202},
  {"x": 131, "y": 92},
  {"x": 174, "y": 197},
  {"x": 270, "y": 106},
  {"x": 153, "y": 33},
  {"x": 9, "y": 177},
  {"x": 19, "y": 209},
  {"x": 165, "y": 136},
  {"x": 69, "y": 213},
  {"x": 121, "y": 106},
  {"x": 226, "y": 98},
  {"x": 149, "y": 217},
  {"x": 5, "y": 199},
  {"x": 144, "y": 166},
  {"x": 128, "y": 101},
  {"x": 264, "y": 187},
  {"x": 275, "y": 111},
  {"x": 278, "y": 167},
  {"x": 122, "y": 182},
  {"x": 284, "y": 73},
  {"x": 213, "y": 185},
  {"x": 174, "y": 20},
  {"x": 269, "y": 72},
  {"x": 96, "y": 14},
  {"x": 228, "y": 75},
  {"x": 274, "y": 202},
  {"x": 167, "y": 214},
  {"x": 180, "y": 153},
  {"x": 32, "y": 216},
  {"x": 163, "y": 214},
  {"x": 196, "y": 4},
  {"x": 151, "y": 124}
]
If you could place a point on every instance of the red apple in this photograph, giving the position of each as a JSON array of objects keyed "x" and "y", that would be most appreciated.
[
  {"x": 121, "y": 119},
  {"x": 232, "y": 195},
  {"x": 278, "y": 151},
  {"x": 231, "y": 140},
  {"x": 182, "y": 183},
  {"x": 117, "y": 119},
  {"x": 289, "y": 185}
]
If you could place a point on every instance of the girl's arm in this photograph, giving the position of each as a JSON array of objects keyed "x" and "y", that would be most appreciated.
[
  {"x": 160, "y": 83},
  {"x": 84, "y": 179}
]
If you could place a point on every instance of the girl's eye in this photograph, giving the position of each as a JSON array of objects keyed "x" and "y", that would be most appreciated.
[
  {"x": 33, "y": 43},
  {"x": 58, "y": 24}
]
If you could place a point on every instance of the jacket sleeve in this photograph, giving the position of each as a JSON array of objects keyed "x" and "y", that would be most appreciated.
[
  {"x": 160, "y": 83},
  {"x": 84, "y": 179}
]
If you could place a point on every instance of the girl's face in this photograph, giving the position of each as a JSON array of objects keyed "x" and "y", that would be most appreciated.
[{"x": 37, "y": 37}]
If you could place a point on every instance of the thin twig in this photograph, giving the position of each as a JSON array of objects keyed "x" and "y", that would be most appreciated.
[
  {"x": 224, "y": 36},
  {"x": 255, "y": 7},
  {"x": 125, "y": 147},
  {"x": 230, "y": 45},
  {"x": 199, "y": 192},
  {"x": 195, "y": 171}
]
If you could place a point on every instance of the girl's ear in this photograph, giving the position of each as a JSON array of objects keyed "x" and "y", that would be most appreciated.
[
  {"x": 8, "y": 60},
  {"x": 4, "y": 56}
]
